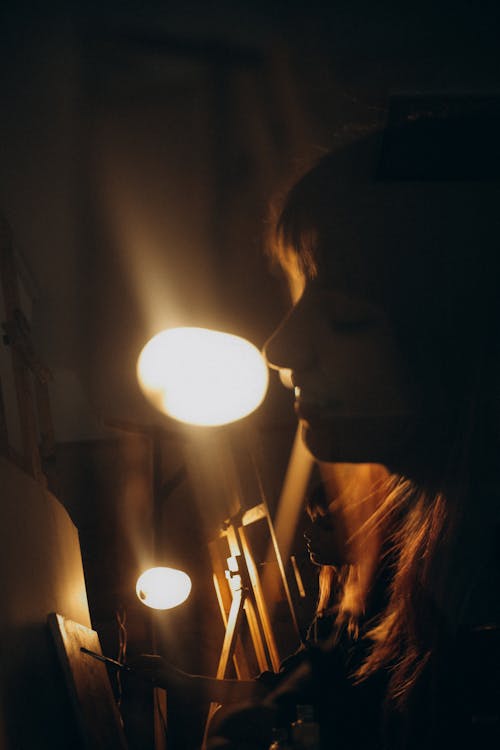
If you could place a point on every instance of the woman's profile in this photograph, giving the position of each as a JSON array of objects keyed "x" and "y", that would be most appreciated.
[{"x": 391, "y": 243}]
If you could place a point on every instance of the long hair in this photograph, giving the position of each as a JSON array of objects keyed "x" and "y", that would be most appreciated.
[
  {"x": 408, "y": 535},
  {"x": 424, "y": 284},
  {"x": 403, "y": 635}
]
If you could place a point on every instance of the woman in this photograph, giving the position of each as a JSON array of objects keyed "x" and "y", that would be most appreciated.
[{"x": 392, "y": 349}]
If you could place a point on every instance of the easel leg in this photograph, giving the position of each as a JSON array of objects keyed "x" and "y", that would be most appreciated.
[{"x": 233, "y": 623}]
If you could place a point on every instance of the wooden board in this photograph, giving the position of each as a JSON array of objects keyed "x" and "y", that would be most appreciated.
[{"x": 96, "y": 713}]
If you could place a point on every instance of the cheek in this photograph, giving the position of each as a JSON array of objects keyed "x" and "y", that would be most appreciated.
[{"x": 365, "y": 374}]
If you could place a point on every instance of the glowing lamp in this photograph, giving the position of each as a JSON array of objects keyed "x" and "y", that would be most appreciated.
[
  {"x": 202, "y": 377},
  {"x": 163, "y": 588}
]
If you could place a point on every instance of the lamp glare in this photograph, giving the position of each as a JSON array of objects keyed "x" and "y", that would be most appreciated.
[
  {"x": 163, "y": 588},
  {"x": 202, "y": 377}
]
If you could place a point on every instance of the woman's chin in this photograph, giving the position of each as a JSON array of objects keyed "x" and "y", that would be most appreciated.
[
  {"x": 316, "y": 559},
  {"x": 358, "y": 439},
  {"x": 330, "y": 561}
]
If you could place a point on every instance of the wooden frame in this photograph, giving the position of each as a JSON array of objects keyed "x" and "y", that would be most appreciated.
[{"x": 96, "y": 713}]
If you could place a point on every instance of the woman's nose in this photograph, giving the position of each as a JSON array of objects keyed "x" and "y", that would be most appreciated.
[{"x": 291, "y": 346}]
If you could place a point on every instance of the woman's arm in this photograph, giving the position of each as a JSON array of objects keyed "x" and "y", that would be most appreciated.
[{"x": 161, "y": 673}]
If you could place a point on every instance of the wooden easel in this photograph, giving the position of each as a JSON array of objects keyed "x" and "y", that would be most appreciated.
[{"x": 244, "y": 599}]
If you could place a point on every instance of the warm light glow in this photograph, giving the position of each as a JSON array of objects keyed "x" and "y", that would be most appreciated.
[
  {"x": 286, "y": 377},
  {"x": 163, "y": 588},
  {"x": 201, "y": 376}
]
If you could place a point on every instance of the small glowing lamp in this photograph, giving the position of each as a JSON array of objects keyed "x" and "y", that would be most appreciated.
[
  {"x": 202, "y": 377},
  {"x": 163, "y": 588}
]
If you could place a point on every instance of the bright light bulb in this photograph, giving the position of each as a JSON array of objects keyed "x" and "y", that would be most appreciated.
[
  {"x": 202, "y": 377},
  {"x": 163, "y": 588}
]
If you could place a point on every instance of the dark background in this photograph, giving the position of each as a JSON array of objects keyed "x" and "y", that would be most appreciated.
[{"x": 140, "y": 145}]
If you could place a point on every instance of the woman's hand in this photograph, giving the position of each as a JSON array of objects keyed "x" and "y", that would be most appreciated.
[{"x": 158, "y": 671}]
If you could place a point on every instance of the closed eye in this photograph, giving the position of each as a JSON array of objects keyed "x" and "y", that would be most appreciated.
[
  {"x": 345, "y": 313},
  {"x": 351, "y": 326}
]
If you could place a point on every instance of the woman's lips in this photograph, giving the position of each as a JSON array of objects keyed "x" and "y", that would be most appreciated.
[{"x": 310, "y": 410}]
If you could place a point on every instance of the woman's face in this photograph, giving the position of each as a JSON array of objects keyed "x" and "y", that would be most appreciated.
[
  {"x": 353, "y": 394},
  {"x": 326, "y": 538}
]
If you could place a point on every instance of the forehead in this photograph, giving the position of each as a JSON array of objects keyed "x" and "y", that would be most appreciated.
[
  {"x": 349, "y": 238},
  {"x": 392, "y": 243}
]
